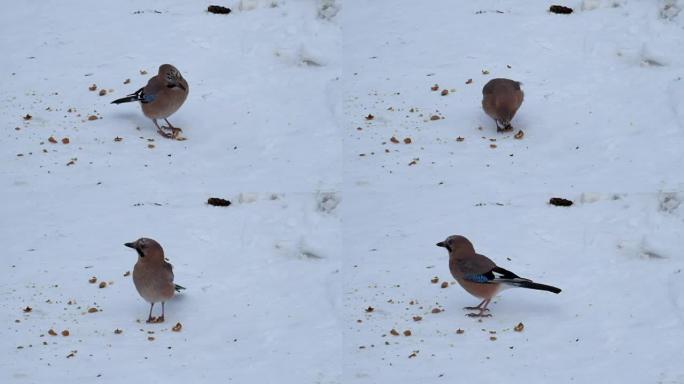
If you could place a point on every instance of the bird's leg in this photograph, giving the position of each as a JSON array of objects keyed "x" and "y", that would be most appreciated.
[
  {"x": 149, "y": 317},
  {"x": 482, "y": 310},
  {"x": 175, "y": 131},
  {"x": 160, "y": 319},
  {"x": 161, "y": 132},
  {"x": 479, "y": 306}
]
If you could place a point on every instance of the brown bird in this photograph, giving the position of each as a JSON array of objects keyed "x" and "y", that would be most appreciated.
[
  {"x": 501, "y": 99},
  {"x": 480, "y": 276},
  {"x": 161, "y": 97},
  {"x": 152, "y": 275}
]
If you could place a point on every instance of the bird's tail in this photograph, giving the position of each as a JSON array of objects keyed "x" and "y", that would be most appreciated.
[
  {"x": 532, "y": 285},
  {"x": 137, "y": 96},
  {"x": 178, "y": 288},
  {"x": 126, "y": 99}
]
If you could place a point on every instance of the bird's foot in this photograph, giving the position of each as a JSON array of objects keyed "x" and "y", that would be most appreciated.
[
  {"x": 479, "y": 314},
  {"x": 175, "y": 133},
  {"x": 155, "y": 320},
  {"x": 167, "y": 135},
  {"x": 475, "y": 309}
]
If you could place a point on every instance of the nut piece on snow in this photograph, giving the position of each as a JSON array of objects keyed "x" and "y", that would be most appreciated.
[
  {"x": 27, "y": 117},
  {"x": 417, "y": 318},
  {"x": 92, "y": 280},
  {"x": 52, "y": 332},
  {"x": 369, "y": 309},
  {"x": 103, "y": 92},
  {"x": 65, "y": 333},
  {"x": 434, "y": 87},
  {"x": 519, "y": 327},
  {"x": 434, "y": 117},
  {"x": 143, "y": 72},
  {"x": 103, "y": 284},
  {"x": 434, "y": 280},
  {"x": 445, "y": 92},
  {"x": 218, "y": 9},
  {"x": 407, "y": 332},
  {"x": 218, "y": 202},
  {"x": 177, "y": 327},
  {"x": 469, "y": 81},
  {"x": 394, "y": 332},
  {"x": 118, "y": 331},
  {"x": 560, "y": 9},
  {"x": 407, "y": 140},
  {"x": 65, "y": 140},
  {"x": 92, "y": 310},
  {"x": 394, "y": 140},
  {"x": 436, "y": 310},
  {"x": 127, "y": 81},
  {"x": 459, "y": 139},
  {"x": 27, "y": 309},
  {"x": 460, "y": 331},
  {"x": 519, "y": 135},
  {"x": 370, "y": 117},
  {"x": 559, "y": 201},
  {"x": 92, "y": 117},
  {"x": 92, "y": 87},
  {"x": 445, "y": 284},
  {"x": 52, "y": 140}
]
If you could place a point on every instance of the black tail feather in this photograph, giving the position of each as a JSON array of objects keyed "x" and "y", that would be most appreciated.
[
  {"x": 137, "y": 96},
  {"x": 126, "y": 99},
  {"x": 540, "y": 287}
]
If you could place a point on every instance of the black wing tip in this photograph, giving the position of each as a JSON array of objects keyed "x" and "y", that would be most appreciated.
[{"x": 178, "y": 288}]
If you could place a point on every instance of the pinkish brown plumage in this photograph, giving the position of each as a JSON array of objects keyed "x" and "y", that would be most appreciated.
[
  {"x": 161, "y": 97},
  {"x": 152, "y": 275},
  {"x": 501, "y": 99},
  {"x": 480, "y": 276}
]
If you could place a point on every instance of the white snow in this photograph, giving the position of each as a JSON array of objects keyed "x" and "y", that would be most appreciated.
[{"x": 329, "y": 216}]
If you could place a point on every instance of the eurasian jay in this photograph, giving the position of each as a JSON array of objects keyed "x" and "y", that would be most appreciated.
[
  {"x": 152, "y": 275},
  {"x": 480, "y": 276},
  {"x": 501, "y": 99},
  {"x": 161, "y": 97}
]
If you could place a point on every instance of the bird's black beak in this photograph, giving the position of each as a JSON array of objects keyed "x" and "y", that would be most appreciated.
[
  {"x": 441, "y": 244},
  {"x": 134, "y": 246}
]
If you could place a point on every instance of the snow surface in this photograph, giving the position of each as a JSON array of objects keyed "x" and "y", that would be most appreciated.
[{"x": 329, "y": 216}]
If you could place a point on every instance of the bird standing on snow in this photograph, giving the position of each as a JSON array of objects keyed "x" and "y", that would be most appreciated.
[
  {"x": 152, "y": 275},
  {"x": 161, "y": 97},
  {"x": 501, "y": 99},
  {"x": 479, "y": 276}
]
